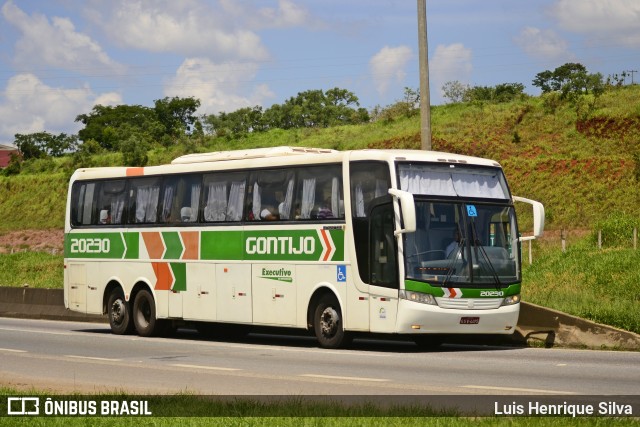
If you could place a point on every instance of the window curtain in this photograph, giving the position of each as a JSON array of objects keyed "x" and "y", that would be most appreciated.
[
  {"x": 117, "y": 207},
  {"x": 195, "y": 201},
  {"x": 335, "y": 197},
  {"x": 308, "y": 197},
  {"x": 427, "y": 182},
  {"x": 216, "y": 202},
  {"x": 285, "y": 211},
  {"x": 468, "y": 185},
  {"x": 167, "y": 202},
  {"x": 146, "y": 203},
  {"x": 359, "y": 195},
  {"x": 257, "y": 201},
  {"x": 236, "y": 200}
]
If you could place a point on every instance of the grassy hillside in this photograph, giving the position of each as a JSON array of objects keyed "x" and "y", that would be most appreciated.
[{"x": 582, "y": 170}]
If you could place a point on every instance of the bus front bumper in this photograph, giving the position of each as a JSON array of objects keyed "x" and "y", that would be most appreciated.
[{"x": 417, "y": 318}]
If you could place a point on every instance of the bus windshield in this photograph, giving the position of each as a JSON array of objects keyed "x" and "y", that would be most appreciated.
[{"x": 463, "y": 244}]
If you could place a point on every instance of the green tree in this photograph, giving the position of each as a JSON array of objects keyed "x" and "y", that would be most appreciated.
[
  {"x": 109, "y": 126},
  {"x": 134, "y": 151},
  {"x": 177, "y": 115},
  {"x": 41, "y": 144}
]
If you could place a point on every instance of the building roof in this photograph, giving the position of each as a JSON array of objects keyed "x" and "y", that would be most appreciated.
[{"x": 8, "y": 148}]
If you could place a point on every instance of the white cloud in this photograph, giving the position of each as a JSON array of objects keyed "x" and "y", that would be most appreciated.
[
  {"x": 615, "y": 21},
  {"x": 55, "y": 43},
  {"x": 287, "y": 14},
  {"x": 26, "y": 106},
  {"x": 545, "y": 45},
  {"x": 218, "y": 86},
  {"x": 189, "y": 28},
  {"x": 449, "y": 63},
  {"x": 388, "y": 66}
]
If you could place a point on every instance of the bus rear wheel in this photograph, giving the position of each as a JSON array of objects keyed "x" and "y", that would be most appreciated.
[
  {"x": 328, "y": 323},
  {"x": 144, "y": 314},
  {"x": 119, "y": 313}
]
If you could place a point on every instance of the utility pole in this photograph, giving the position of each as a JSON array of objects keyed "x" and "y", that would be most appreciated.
[
  {"x": 425, "y": 101},
  {"x": 632, "y": 72}
]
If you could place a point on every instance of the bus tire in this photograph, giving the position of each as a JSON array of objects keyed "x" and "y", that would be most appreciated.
[
  {"x": 119, "y": 312},
  {"x": 144, "y": 314},
  {"x": 328, "y": 323}
]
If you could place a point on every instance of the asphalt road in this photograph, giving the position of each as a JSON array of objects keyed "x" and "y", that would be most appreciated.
[{"x": 84, "y": 357}]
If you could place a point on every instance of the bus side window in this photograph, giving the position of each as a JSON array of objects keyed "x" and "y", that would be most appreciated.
[
  {"x": 369, "y": 180},
  {"x": 180, "y": 199},
  {"x": 319, "y": 193},
  {"x": 84, "y": 204},
  {"x": 143, "y": 200},
  {"x": 224, "y": 196}
]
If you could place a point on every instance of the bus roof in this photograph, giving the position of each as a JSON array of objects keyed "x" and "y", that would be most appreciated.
[{"x": 276, "y": 156}]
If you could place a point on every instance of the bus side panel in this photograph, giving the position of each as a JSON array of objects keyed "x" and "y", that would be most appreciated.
[
  {"x": 233, "y": 289},
  {"x": 357, "y": 312},
  {"x": 384, "y": 309},
  {"x": 274, "y": 294},
  {"x": 199, "y": 299},
  {"x": 77, "y": 287}
]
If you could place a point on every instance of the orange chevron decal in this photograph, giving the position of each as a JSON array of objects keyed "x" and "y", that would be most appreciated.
[
  {"x": 191, "y": 242},
  {"x": 153, "y": 242},
  {"x": 164, "y": 276},
  {"x": 327, "y": 244}
]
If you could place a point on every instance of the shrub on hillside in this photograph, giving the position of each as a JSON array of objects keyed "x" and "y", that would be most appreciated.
[{"x": 617, "y": 230}]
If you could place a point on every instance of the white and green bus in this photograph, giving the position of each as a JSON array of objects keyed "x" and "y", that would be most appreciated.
[{"x": 404, "y": 242}]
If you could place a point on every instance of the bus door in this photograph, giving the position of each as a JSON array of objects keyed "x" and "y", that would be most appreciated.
[{"x": 383, "y": 262}]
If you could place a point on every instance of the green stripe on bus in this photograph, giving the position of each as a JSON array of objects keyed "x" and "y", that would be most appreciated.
[{"x": 437, "y": 291}]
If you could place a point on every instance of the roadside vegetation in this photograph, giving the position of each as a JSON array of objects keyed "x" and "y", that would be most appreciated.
[{"x": 575, "y": 148}]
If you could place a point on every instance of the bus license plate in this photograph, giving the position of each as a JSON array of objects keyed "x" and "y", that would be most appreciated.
[{"x": 469, "y": 320}]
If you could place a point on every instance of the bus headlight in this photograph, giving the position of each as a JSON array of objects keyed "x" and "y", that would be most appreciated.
[
  {"x": 513, "y": 299},
  {"x": 418, "y": 297}
]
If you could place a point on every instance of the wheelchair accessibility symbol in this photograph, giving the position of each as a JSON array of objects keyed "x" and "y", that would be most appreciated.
[
  {"x": 471, "y": 210},
  {"x": 341, "y": 274}
]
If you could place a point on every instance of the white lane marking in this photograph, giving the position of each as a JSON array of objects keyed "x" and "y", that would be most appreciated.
[
  {"x": 104, "y": 359},
  {"x": 35, "y": 332},
  {"x": 332, "y": 377},
  {"x": 523, "y": 390},
  {"x": 211, "y": 368},
  {"x": 12, "y": 350}
]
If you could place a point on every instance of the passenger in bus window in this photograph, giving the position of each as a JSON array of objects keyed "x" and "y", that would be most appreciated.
[
  {"x": 104, "y": 217},
  {"x": 269, "y": 213},
  {"x": 325, "y": 212},
  {"x": 185, "y": 214},
  {"x": 454, "y": 245}
]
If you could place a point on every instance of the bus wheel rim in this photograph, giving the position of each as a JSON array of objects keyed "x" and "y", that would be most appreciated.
[
  {"x": 117, "y": 311},
  {"x": 329, "y": 322}
]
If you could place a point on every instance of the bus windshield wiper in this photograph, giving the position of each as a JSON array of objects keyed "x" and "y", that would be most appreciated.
[
  {"x": 477, "y": 245},
  {"x": 454, "y": 256}
]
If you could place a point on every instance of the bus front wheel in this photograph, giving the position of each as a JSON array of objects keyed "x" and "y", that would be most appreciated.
[
  {"x": 118, "y": 310},
  {"x": 144, "y": 314},
  {"x": 328, "y": 324}
]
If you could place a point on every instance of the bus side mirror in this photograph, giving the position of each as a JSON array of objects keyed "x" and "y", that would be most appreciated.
[
  {"x": 538, "y": 217},
  {"x": 408, "y": 209}
]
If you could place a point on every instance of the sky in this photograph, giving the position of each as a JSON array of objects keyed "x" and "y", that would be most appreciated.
[{"x": 59, "y": 58}]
